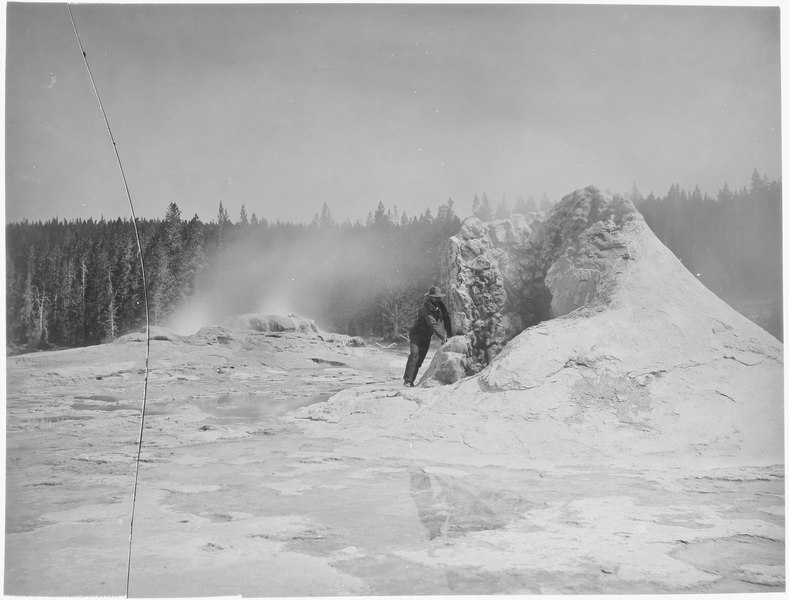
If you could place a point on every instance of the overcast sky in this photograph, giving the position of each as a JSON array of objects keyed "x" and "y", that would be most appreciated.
[{"x": 285, "y": 107}]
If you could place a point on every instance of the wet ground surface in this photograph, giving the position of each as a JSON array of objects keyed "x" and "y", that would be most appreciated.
[{"x": 233, "y": 500}]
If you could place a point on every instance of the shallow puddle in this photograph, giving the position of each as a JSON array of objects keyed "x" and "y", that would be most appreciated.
[
  {"x": 97, "y": 398},
  {"x": 103, "y": 407},
  {"x": 748, "y": 558},
  {"x": 50, "y": 419},
  {"x": 252, "y": 407},
  {"x": 158, "y": 408}
]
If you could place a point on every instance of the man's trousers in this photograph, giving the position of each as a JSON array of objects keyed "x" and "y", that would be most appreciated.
[{"x": 416, "y": 357}]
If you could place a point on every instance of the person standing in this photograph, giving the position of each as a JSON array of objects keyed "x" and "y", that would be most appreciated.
[{"x": 430, "y": 314}]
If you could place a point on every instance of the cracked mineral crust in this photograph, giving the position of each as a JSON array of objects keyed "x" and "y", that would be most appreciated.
[{"x": 579, "y": 337}]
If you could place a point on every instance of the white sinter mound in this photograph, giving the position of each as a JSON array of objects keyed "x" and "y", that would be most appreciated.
[{"x": 653, "y": 370}]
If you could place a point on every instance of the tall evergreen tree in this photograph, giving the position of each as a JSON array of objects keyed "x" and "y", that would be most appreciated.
[
  {"x": 482, "y": 209},
  {"x": 223, "y": 231},
  {"x": 326, "y": 220},
  {"x": 79, "y": 282},
  {"x": 520, "y": 207},
  {"x": 503, "y": 210}
]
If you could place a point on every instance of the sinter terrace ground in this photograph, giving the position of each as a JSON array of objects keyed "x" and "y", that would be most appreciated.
[{"x": 235, "y": 499}]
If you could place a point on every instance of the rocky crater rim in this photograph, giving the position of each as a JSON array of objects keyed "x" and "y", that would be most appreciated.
[{"x": 507, "y": 275}]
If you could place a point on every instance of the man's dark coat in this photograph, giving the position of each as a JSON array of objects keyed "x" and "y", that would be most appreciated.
[{"x": 430, "y": 314}]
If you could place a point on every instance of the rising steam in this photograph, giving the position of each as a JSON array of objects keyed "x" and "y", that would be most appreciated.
[{"x": 299, "y": 273}]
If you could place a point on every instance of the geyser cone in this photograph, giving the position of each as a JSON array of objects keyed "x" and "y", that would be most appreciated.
[
  {"x": 650, "y": 368},
  {"x": 654, "y": 365}
]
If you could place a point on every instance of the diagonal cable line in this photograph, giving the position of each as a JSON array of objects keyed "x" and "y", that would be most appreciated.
[{"x": 145, "y": 295}]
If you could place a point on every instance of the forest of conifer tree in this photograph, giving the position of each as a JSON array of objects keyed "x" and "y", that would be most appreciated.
[{"x": 79, "y": 282}]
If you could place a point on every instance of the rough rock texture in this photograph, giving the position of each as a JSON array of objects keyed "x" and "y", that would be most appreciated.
[
  {"x": 291, "y": 323},
  {"x": 386, "y": 491},
  {"x": 276, "y": 323},
  {"x": 653, "y": 369},
  {"x": 452, "y": 363},
  {"x": 633, "y": 445},
  {"x": 510, "y": 274}
]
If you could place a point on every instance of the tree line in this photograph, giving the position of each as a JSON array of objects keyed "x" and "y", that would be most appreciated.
[
  {"x": 732, "y": 242},
  {"x": 74, "y": 283}
]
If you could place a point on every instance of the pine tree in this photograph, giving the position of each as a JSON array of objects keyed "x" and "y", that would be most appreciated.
[
  {"x": 482, "y": 209},
  {"x": 502, "y": 210},
  {"x": 112, "y": 309},
  {"x": 635, "y": 196},
  {"x": 173, "y": 247},
  {"x": 326, "y": 221},
  {"x": 27, "y": 311},
  {"x": 83, "y": 292},
  {"x": 381, "y": 218},
  {"x": 195, "y": 263},
  {"x": 13, "y": 297},
  {"x": 40, "y": 335},
  {"x": 223, "y": 231}
]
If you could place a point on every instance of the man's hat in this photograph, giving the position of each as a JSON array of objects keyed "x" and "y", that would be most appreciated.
[{"x": 435, "y": 292}]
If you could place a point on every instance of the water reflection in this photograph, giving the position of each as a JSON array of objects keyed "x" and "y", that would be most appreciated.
[
  {"x": 105, "y": 407},
  {"x": 254, "y": 407},
  {"x": 49, "y": 419}
]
